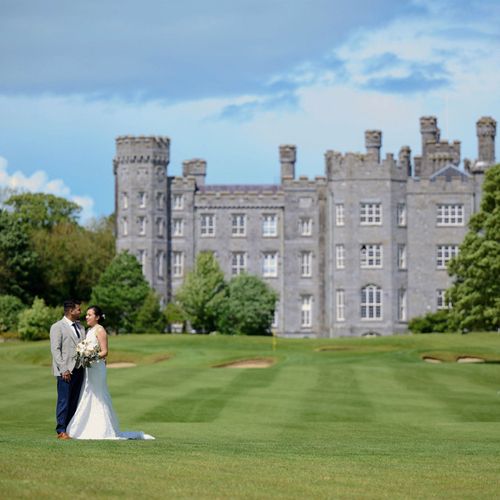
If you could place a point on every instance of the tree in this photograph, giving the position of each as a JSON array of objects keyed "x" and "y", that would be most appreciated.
[
  {"x": 150, "y": 318},
  {"x": 202, "y": 293},
  {"x": 40, "y": 210},
  {"x": 121, "y": 292},
  {"x": 475, "y": 294},
  {"x": 71, "y": 259},
  {"x": 18, "y": 261},
  {"x": 248, "y": 308},
  {"x": 35, "y": 323},
  {"x": 10, "y": 308}
]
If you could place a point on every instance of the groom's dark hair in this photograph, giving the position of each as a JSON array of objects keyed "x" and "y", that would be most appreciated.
[{"x": 70, "y": 304}]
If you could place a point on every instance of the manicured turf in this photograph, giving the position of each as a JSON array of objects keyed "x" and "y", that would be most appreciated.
[{"x": 362, "y": 418}]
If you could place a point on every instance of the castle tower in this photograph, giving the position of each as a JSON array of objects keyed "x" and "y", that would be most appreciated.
[
  {"x": 288, "y": 157},
  {"x": 373, "y": 143},
  {"x": 429, "y": 131},
  {"x": 140, "y": 169},
  {"x": 196, "y": 168},
  {"x": 486, "y": 128}
]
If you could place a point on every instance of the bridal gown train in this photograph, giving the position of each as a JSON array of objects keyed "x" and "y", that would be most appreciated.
[{"x": 94, "y": 417}]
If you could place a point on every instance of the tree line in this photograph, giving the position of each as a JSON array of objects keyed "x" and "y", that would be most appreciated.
[{"x": 46, "y": 257}]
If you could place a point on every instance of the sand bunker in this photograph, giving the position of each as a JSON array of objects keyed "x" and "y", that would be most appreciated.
[
  {"x": 469, "y": 359},
  {"x": 120, "y": 365},
  {"x": 248, "y": 363},
  {"x": 430, "y": 359}
]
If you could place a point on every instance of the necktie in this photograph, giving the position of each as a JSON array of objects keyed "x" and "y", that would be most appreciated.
[{"x": 76, "y": 329}]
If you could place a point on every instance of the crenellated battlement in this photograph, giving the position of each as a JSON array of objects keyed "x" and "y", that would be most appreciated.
[
  {"x": 363, "y": 166},
  {"x": 142, "y": 149}
]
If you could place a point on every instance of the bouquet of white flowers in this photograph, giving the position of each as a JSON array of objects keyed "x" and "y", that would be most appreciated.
[{"x": 86, "y": 353}]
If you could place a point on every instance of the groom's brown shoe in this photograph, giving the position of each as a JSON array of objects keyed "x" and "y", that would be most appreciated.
[{"x": 63, "y": 435}]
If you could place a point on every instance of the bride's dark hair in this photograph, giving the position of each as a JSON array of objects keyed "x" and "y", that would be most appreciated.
[{"x": 98, "y": 312}]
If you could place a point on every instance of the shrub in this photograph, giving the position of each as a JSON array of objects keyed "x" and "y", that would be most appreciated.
[
  {"x": 10, "y": 307},
  {"x": 174, "y": 315},
  {"x": 35, "y": 322},
  {"x": 150, "y": 318},
  {"x": 435, "y": 322}
]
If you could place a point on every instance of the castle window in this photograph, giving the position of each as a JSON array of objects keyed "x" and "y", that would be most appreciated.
[
  {"x": 306, "y": 264},
  {"x": 160, "y": 227},
  {"x": 142, "y": 199},
  {"x": 371, "y": 302},
  {"x": 238, "y": 263},
  {"x": 270, "y": 265},
  {"x": 401, "y": 256},
  {"x": 275, "y": 322},
  {"x": 142, "y": 225},
  {"x": 124, "y": 200},
  {"x": 340, "y": 256},
  {"x": 370, "y": 214},
  {"x": 177, "y": 227},
  {"x": 207, "y": 226},
  {"x": 160, "y": 263},
  {"x": 306, "y": 311},
  {"x": 305, "y": 226},
  {"x": 178, "y": 201},
  {"x": 141, "y": 257},
  {"x": 160, "y": 201},
  {"x": 124, "y": 226},
  {"x": 402, "y": 315},
  {"x": 270, "y": 225},
  {"x": 339, "y": 214},
  {"x": 340, "y": 304},
  {"x": 178, "y": 264},
  {"x": 444, "y": 254},
  {"x": 371, "y": 256},
  {"x": 450, "y": 215},
  {"x": 441, "y": 302},
  {"x": 401, "y": 214},
  {"x": 238, "y": 227}
]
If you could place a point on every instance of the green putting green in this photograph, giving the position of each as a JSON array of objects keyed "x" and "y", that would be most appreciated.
[{"x": 343, "y": 418}]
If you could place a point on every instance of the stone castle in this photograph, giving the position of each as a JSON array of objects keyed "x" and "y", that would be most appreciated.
[{"x": 358, "y": 251}]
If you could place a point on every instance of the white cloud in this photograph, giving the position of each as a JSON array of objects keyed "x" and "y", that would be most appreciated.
[{"x": 39, "y": 182}]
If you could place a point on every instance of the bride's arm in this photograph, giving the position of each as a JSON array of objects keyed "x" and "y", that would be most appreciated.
[{"x": 102, "y": 338}]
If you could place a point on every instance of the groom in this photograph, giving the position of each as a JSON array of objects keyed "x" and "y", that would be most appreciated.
[{"x": 64, "y": 337}]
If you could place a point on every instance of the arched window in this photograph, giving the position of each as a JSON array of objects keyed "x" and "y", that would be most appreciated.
[{"x": 371, "y": 302}]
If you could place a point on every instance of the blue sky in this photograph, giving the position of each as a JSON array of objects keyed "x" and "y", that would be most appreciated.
[{"x": 228, "y": 81}]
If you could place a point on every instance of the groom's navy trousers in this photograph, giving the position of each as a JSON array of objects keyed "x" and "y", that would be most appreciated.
[{"x": 67, "y": 398}]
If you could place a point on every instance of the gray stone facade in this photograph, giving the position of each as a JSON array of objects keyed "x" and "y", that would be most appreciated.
[{"x": 359, "y": 251}]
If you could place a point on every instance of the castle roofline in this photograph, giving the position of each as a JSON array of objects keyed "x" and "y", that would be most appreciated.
[
  {"x": 234, "y": 188},
  {"x": 449, "y": 170}
]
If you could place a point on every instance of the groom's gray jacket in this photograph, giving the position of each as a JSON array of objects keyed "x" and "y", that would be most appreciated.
[{"x": 63, "y": 342}]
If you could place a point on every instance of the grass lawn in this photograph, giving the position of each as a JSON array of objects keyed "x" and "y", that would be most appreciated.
[{"x": 363, "y": 418}]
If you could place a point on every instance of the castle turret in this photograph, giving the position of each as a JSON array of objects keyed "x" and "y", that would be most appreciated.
[
  {"x": 288, "y": 157},
  {"x": 140, "y": 168},
  {"x": 486, "y": 128},
  {"x": 196, "y": 168},
  {"x": 373, "y": 143},
  {"x": 429, "y": 131}
]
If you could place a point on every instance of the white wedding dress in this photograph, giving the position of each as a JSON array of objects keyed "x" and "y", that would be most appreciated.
[{"x": 94, "y": 417}]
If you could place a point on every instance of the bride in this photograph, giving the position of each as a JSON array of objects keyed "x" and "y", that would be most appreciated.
[{"x": 94, "y": 417}]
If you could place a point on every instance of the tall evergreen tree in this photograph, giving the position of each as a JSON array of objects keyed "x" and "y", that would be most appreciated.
[
  {"x": 475, "y": 295},
  {"x": 202, "y": 293},
  {"x": 121, "y": 292}
]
